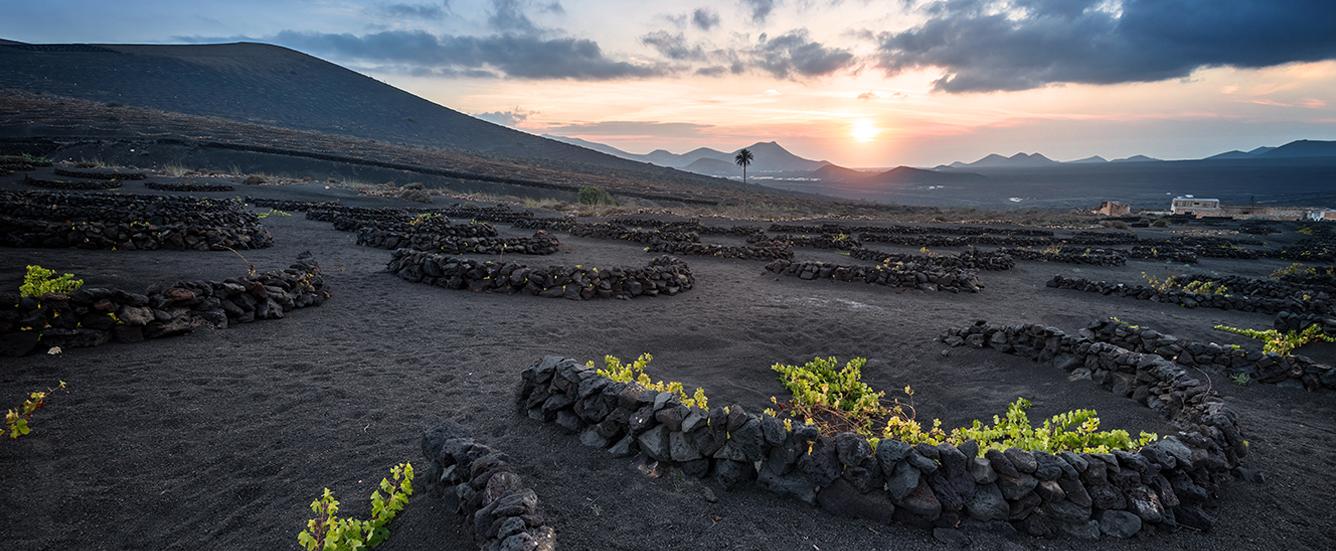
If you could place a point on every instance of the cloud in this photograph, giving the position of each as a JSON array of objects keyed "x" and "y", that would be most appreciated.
[
  {"x": 508, "y": 54},
  {"x": 791, "y": 55},
  {"x": 415, "y": 11},
  {"x": 760, "y": 9},
  {"x": 794, "y": 54},
  {"x": 989, "y": 45},
  {"x": 865, "y": 96},
  {"x": 630, "y": 128},
  {"x": 673, "y": 46},
  {"x": 505, "y": 118},
  {"x": 705, "y": 18},
  {"x": 509, "y": 16}
]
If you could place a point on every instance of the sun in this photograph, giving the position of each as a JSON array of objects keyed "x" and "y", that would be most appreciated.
[{"x": 864, "y": 130}]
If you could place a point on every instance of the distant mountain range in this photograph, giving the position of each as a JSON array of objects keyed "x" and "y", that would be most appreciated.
[
  {"x": 770, "y": 158},
  {"x": 773, "y": 162},
  {"x": 1293, "y": 150}
]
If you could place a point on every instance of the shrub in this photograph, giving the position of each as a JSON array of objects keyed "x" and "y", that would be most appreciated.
[
  {"x": 590, "y": 195},
  {"x": 16, "y": 421},
  {"x": 328, "y": 532},
  {"x": 1241, "y": 379},
  {"x": 634, "y": 372},
  {"x": 423, "y": 218},
  {"x": 1294, "y": 269},
  {"x": 1284, "y": 344},
  {"x": 835, "y": 399},
  {"x": 1199, "y": 287},
  {"x": 273, "y": 212},
  {"x": 1195, "y": 286},
  {"x": 1075, "y": 431},
  {"x": 39, "y": 282},
  {"x": 1160, "y": 223},
  {"x": 34, "y": 160}
]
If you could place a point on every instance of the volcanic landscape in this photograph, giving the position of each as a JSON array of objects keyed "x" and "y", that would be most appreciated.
[{"x": 271, "y": 307}]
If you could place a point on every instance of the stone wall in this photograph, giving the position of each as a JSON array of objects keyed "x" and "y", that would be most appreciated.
[
  {"x": 1322, "y": 279},
  {"x": 760, "y": 251},
  {"x": 1298, "y": 321},
  {"x": 478, "y": 482},
  {"x": 1261, "y": 287},
  {"x": 1120, "y": 494},
  {"x": 291, "y": 206},
  {"x": 93, "y": 316},
  {"x": 127, "y": 222},
  {"x": 604, "y": 230},
  {"x": 98, "y": 173},
  {"x": 540, "y": 244},
  {"x": 908, "y": 230},
  {"x": 501, "y": 214},
  {"x": 914, "y": 276},
  {"x": 664, "y": 275},
  {"x": 1188, "y": 300},
  {"x": 70, "y": 185},
  {"x": 1168, "y": 253},
  {"x": 1259, "y": 366},
  {"x": 693, "y": 226},
  {"x": 1172, "y": 481},
  {"x": 842, "y": 242},
  {"x": 968, "y": 260},
  {"x": 439, "y": 226},
  {"x": 1092, "y": 257},
  {"x": 188, "y": 186}
]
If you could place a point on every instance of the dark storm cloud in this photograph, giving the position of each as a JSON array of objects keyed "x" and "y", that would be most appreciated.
[
  {"x": 514, "y": 55},
  {"x": 705, "y": 18},
  {"x": 415, "y": 11},
  {"x": 794, "y": 54},
  {"x": 509, "y": 16},
  {"x": 760, "y": 9},
  {"x": 1042, "y": 42},
  {"x": 673, "y": 46}
]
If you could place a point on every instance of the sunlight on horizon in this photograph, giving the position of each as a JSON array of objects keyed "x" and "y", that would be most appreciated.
[{"x": 864, "y": 130}]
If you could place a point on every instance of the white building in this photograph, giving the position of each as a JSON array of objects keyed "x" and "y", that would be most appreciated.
[{"x": 1188, "y": 204}]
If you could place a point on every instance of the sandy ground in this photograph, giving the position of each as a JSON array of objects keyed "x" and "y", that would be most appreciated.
[{"x": 220, "y": 439}]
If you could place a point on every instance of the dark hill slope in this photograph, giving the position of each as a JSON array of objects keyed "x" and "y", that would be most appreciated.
[{"x": 281, "y": 87}]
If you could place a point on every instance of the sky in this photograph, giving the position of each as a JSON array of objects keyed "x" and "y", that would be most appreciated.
[{"x": 860, "y": 83}]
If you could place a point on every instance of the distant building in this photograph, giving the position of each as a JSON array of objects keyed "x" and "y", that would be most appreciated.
[
  {"x": 1211, "y": 208},
  {"x": 1193, "y": 206},
  {"x": 1113, "y": 208}
]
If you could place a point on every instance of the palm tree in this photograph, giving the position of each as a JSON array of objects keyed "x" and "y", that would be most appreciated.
[{"x": 744, "y": 158}]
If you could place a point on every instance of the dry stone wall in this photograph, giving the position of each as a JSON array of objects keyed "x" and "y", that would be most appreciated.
[
  {"x": 1092, "y": 257},
  {"x": 95, "y": 316},
  {"x": 759, "y": 251},
  {"x": 65, "y": 184},
  {"x": 1191, "y": 300},
  {"x": 127, "y": 222},
  {"x": 1257, "y": 365},
  {"x": 968, "y": 260},
  {"x": 540, "y": 244},
  {"x": 914, "y": 276},
  {"x": 1122, "y": 494},
  {"x": 189, "y": 186},
  {"x": 664, "y": 275},
  {"x": 501, "y": 511}
]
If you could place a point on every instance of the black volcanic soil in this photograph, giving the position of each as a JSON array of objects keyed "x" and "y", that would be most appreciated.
[{"x": 220, "y": 439}]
